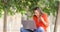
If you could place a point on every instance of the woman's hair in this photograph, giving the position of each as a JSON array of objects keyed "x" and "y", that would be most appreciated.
[{"x": 38, "y": 9}]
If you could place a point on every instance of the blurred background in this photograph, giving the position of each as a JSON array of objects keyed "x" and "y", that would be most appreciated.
[{"x": 12, "y": 12}]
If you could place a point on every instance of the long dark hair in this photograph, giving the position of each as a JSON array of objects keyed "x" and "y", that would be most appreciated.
[{"x": 38, "y": 9}]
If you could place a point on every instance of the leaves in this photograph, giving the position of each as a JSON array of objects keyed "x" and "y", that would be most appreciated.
[{"x": 46, "y": 5}]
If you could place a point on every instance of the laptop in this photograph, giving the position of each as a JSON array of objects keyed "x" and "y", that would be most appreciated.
[{"x": 28, "y": 24}]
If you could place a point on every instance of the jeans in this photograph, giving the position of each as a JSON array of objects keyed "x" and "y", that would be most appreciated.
[
  {"x": 40, "y": 29},
  {"x": 25, "y": 30}
]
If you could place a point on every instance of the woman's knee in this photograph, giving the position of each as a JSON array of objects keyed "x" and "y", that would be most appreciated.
[
  {"x": 41, "y": 29},
  {"x": 21, "y": 29},
  {"x": 24, "y": 30}
]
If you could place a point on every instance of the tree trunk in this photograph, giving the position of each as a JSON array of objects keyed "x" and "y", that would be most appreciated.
[
  {"x": 57, "y": 19},
  {"x": 5, "y": 21}
]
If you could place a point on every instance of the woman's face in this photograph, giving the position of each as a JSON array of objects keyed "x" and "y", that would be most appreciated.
[{"x": 37, "y": 13}]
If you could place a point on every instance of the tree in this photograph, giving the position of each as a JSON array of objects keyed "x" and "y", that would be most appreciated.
[
  {"x": 46, "y": 5},
  {"x": 57, "y": 19}
]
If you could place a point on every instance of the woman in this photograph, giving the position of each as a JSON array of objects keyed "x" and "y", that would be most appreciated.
[{"x": 40, "y": 19}]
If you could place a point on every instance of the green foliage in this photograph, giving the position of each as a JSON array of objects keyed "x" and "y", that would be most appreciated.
[{"x": 21, "y": 5}]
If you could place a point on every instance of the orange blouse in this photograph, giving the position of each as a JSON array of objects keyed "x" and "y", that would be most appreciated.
[{"x": 40, "y": 23}]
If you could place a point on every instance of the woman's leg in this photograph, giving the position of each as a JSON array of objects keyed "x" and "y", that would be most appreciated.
[
  {"x": 40, "y": 29},
  {"x": 24, "y": 30}
]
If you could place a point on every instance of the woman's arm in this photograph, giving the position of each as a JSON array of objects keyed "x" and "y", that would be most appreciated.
[
  {"x": 44, "y": 19},
  {"x": 45, "y": 23}
]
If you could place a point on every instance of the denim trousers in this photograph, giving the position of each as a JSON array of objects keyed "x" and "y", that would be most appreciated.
[{"x": 40, "y": 29}]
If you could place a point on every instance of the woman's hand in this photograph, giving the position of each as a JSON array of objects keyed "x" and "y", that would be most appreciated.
[{"x": 43, "y": 21}]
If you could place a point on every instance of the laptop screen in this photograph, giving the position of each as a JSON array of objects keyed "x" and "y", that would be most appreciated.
[{"x": 28, "y": 24}]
